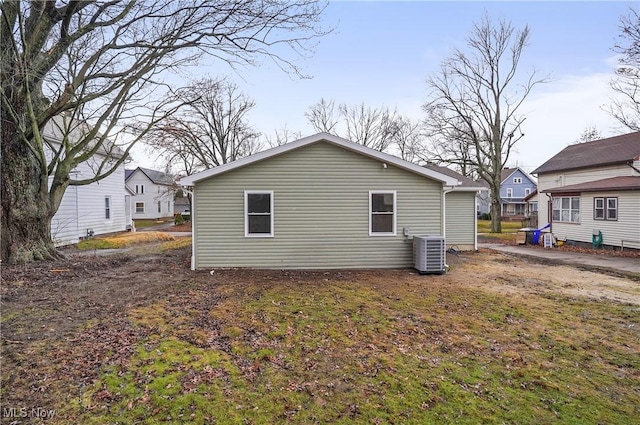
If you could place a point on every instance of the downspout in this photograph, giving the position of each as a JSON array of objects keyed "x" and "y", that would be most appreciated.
[
  {"x": 630, "y": 164},
  {"x": 193, "y": 225},
  {"x": 549, "y": 212},
  {"x": 443, "y": 225},
  {"x": 475, "y": 221}
]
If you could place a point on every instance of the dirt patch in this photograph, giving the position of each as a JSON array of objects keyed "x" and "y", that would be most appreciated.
[{"x": 507, "y": 274}]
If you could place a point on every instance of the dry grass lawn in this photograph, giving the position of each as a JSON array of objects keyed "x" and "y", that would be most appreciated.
[{"x": 496, "y": 340}]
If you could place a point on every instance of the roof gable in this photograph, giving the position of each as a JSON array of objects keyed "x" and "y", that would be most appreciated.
[
  {"x": 321, "y": 137},
  {"x": 156, "y": 177},
  {"x": 609, "y": 151},
  {"x": 465, "y": 182},
  {"x": 506, "y": 173}
]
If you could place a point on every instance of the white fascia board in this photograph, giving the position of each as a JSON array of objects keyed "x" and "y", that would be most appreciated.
[
  {"x": 354, "y": 147},
  {"x": 466, "y": 189}
]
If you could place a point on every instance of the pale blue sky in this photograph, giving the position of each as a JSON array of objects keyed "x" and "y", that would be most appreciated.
[{"x": 381, "y": 53}]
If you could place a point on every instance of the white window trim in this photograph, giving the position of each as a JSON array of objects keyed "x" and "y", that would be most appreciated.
[
  {"x": 135, "y": 207},
  {"x": 570, "y": 209},
  {"x": 246, "y": 213},
  {"x": 509, "y": 192},
  {"x": 517, "y": 180},
  {"x": 395, "y": 212},
  {"x": 527, "y": 192},
  {"x": 607, "y": 209},
  {"x": 110, "y": 209}
]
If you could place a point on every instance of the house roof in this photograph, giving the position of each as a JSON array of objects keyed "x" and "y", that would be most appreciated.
[
  {"x": 609, "y": 151},
  {"x": 466, "y": 182},
  {"x": 507, "y": 172},
  {"x": 610, "y": 184},
  {"x": 321, "y": 137},
  {"x": 60, "y": 127},
  {"x": 157, "y": 177},
  {"x": 531, "y": 195}
]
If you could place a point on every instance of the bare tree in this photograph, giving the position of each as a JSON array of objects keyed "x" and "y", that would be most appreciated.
[
  {"x": 209, "y": 129},
  {"x": 371, "y": 127},
  {"x": 589, "y": 134},
  {"x": 282, "y": 137},
  {"x": 102, "y": 64},
  {"x": 407, "y": 136},
  {"x": 323, "y": 116},
  {"x": 626, "y": 84},
  {"x": 471, "y": 113}
]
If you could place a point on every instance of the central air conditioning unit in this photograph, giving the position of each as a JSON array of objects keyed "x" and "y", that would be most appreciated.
[{"x": 429, "y": 254}]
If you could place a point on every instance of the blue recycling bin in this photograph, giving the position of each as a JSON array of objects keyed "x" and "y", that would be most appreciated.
[{"x": 535, "y": 239}]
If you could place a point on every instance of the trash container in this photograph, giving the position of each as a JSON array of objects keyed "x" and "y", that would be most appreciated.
[
  {"x": 528, "y": 236},
  {"x": 535, "y": 239}
]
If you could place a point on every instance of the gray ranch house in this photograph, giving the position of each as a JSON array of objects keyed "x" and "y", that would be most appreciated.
[{"x": 323, "y": 202}]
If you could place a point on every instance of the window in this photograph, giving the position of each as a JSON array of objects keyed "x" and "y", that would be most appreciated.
[
  {"x": 527, "y": 192},
  {"x": 517, "y": 180},
  {"x": 139, "y": 189},
  {"x": 509, "y": 192},
  {"x": 605, "y": 209},
  {"x": 139, "y": 207},
  {"x": 107, "y": 208},
  {"x": 159, "y": 207},
  {"x": 566, "y": 209},
  {"x": 258, "y": 213},
  {"x": 612, "y": 208},
  {"x": 168, "y": 206},
  {"x": 382, "y": 213}
]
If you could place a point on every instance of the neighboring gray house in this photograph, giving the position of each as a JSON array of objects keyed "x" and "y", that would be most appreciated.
[
  {"x": 324, "y": 202},
  {"x": 593, "y": 188},
  {"x": 153, "y": 193}
]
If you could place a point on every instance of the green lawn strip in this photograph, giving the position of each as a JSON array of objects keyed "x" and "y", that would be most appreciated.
[
  {"x": 484, "y": 226},
  {"x": 96, "y": 243},
  {"x": 352, "y": 353},
  {"x": 141, "y": 224}
]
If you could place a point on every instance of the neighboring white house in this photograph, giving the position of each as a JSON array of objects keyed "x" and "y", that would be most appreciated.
[
  {"x": 593, "y": 188},
  {"x": 323, "y": 202},
  {"x": 92, "y": 209},
  {"x": 153, "y": 193}
]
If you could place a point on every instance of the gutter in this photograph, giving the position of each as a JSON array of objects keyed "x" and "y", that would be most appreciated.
[{"x": 630, "y": 164}]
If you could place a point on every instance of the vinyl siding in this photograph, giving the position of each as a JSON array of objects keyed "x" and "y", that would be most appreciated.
[
  {"x": 626, "y": 228},
  {"x": 83, "y": 208},
  {"x": 551, "y": 180},
  {"x": 152, "y": 194},
  {"x": 321, "y": 212},
  {"x": 460, "y": 220}
]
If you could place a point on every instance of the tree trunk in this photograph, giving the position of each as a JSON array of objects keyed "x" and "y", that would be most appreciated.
[
  {"x": 26, "y": 211},
  {"x": 496, "y": 224}
]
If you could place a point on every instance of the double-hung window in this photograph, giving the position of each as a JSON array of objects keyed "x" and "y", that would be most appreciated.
[
  {"x": 566, "y": 209},
  {"x": 382, "y": 213},
  {"x": 258, "y": 213},
  {"x": 605, "y": 209}
]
